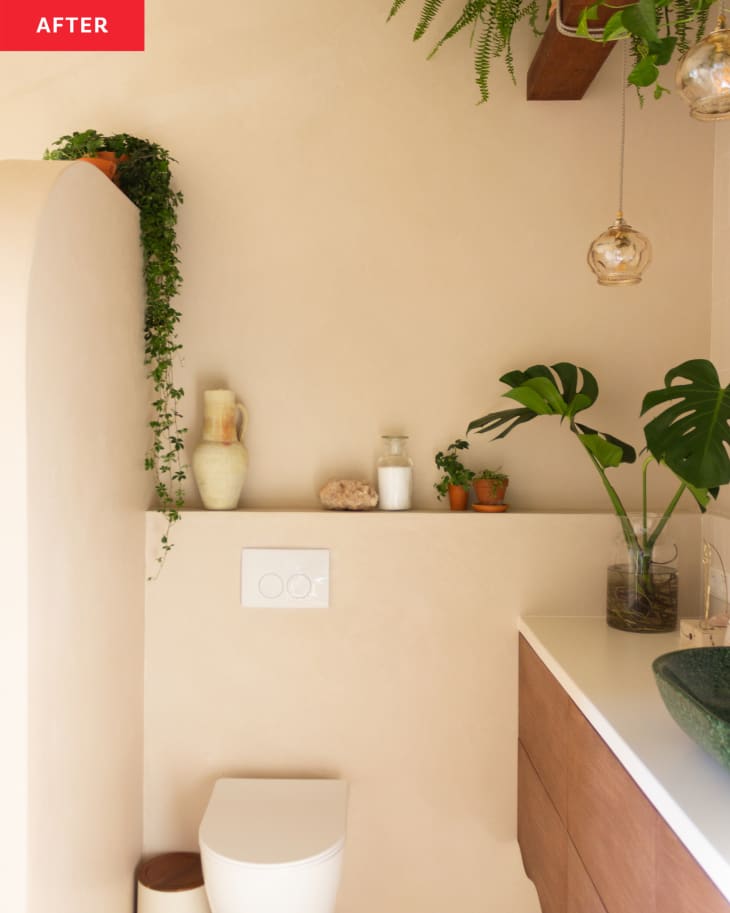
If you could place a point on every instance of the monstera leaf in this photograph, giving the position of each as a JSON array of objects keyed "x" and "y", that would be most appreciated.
[
  {"x": 691, "y": 435},
  {"x": 607, "y": 449},
  {"x": 563, "y": 390}
]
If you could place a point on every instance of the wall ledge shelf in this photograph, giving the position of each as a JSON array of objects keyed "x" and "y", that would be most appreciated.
[{"x": 426, "y": 512}]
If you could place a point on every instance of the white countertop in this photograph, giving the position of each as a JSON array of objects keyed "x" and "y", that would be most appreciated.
[{"x": 608, "y": 674}]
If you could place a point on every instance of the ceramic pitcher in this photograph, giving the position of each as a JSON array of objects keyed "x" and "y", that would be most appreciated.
[{"x": 220, "y": 460}]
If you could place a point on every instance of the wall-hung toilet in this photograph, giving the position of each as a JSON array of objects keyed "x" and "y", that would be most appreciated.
[{"x": 273, "y": 846}]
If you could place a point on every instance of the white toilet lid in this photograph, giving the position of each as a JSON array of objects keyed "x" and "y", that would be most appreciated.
[{"x": 275, "y": 822}]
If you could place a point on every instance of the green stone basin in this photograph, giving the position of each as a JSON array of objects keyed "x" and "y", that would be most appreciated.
[{"x": 695, "y": 686}]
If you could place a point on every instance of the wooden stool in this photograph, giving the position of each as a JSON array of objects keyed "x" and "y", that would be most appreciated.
[{"x": 171, "y": 883}]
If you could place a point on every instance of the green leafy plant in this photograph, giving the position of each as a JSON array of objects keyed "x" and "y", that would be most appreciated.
[
  {"x": 689, "y": 437},
  {"x": 655, "y": 28},
  {"x": 144, "y": 176},
  {"x": 77, "y": 145},
  {"x": 454, "y": 471}
]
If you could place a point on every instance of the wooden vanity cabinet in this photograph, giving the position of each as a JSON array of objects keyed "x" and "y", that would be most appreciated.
[
  {"x": 591, "y": 841},
  {"x": 582, "y": 894},
  {"x": 542, "y": 837},
  {"x": 681, "y": 885},
  {"x": 610, "y": 821},
  {"x": 543, "y": 713}
]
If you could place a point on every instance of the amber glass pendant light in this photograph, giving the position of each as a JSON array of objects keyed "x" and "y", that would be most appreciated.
[
  {"x": 620, "y": 254},
  {"x": 703, "y": 75}
]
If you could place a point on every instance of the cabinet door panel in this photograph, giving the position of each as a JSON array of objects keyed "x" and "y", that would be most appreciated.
[
  {"x": 542, "y": 838},
  {"x": 610, "y": 821},
  {"x": 681, "y": 885},
  {"x": 582, "y": 894},
  {"x": 544, "y": 724}
]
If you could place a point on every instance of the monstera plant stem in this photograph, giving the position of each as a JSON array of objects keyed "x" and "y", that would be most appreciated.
[
  {"x": 645, "y": 545},
  {"x": 651, "y": 542},
  {"x": 610, "y": 490}
]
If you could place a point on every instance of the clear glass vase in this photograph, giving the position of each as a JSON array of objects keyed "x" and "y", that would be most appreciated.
[
  {"x": 395, "y": 474},
  {"x": 643, "y": 581}
]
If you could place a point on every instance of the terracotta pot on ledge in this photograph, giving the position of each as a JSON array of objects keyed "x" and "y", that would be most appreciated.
[
  {"x": 490, "y": 491},
  {"x": 458, "y": 496},
  {"x": 107, "y": 162}
]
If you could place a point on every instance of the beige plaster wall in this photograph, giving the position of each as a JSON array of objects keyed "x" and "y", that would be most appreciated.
[
  {"x": 406, "y": 685},
  {"x": 720, "y": 346},
  {"x": 366, "y": 249},
  {"x": 85, "y": 544},
  {"x": 22, "y": 206},
  {"x": 716, "y": 524}
]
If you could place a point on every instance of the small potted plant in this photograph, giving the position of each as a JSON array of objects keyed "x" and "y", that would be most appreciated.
[
  {"x": 89, "y": 146},
  {"x": 490, "y": 487},
  {"x": 456, "y": 478}
]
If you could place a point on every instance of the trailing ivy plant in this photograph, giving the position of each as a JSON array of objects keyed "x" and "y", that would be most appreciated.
[
  {"x": 144, "y": 176},
  {"x": 655, "y": 28}
]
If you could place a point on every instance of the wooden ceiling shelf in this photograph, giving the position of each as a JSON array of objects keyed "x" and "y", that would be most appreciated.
[{"x": 564, "y": 67}]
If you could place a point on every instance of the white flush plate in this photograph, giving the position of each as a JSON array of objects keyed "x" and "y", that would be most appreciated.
[{"x": 285, "y": 578}]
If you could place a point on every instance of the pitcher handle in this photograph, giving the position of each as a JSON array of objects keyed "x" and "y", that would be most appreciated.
[{"x": 244, "y": 420}]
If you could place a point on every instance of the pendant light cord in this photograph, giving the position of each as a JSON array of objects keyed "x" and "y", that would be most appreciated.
[{"x": 623, "y": 133}]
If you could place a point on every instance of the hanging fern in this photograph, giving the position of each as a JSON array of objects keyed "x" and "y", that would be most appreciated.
[
  {"x": 394, "y": 9},
  {"x": 469, "y": 15},
  {"x": 428, "y": 14},
  {"x": 492, "y": 22},
  {"x": 486, "y": 50},
  {"x": 690, "y": 21}
]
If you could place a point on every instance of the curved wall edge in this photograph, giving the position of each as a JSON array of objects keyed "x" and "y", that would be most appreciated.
[
  {"x": 24, "y": 190},
  {"x": 74, "y": 435}
]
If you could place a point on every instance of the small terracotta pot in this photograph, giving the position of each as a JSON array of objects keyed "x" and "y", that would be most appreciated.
[
  {"x": 458, "y": 497},
  {"x": 490, "y": 491},
  {"x": 108, "y": 162},
  {"x": 104, "y": 165}
]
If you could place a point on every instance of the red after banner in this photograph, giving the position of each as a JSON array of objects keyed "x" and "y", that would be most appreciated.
[{"x": 71, "y": 25}]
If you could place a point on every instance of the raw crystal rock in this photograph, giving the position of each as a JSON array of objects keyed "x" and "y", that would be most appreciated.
[{"x": 348, "y": 494}]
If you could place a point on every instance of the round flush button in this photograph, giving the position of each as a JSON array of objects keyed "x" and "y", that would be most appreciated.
[
  {"x": 271, "y": 586},
  {"x": 299, "y": 586}
]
